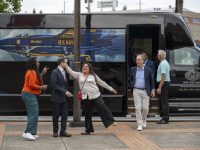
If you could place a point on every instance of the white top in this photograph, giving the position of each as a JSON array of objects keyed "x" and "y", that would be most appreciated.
[{"x": 90, "y": 88}]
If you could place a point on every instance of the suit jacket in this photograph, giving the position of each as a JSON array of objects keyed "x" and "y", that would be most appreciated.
[
  {"x": 59, "y": 86},
  {"x": 148, "y": 77},
  {"x": 151, "y": 65}
]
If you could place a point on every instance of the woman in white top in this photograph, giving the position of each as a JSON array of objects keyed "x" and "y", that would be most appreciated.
[{"x": 92, "y": 96}]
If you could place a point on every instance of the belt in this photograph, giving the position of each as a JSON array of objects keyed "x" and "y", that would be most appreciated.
[{"x": 139, "y": 88}]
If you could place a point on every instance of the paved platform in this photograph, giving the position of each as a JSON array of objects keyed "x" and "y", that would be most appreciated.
[
  {"x": 173, "y": 136},
  {"x": 129, "y": 118}
]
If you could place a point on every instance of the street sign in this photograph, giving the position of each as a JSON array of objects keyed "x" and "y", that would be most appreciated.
[
  {"x": 108, "y": 3},
  {"x": 90, "y": 1}
]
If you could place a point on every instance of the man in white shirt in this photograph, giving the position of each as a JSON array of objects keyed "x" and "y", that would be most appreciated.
[{"x": 163, "y": 79}]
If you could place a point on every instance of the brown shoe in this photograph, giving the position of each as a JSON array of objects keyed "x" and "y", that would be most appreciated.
[
  {"x": 65, "y": 134},
  {"x": 55, "y": 134}
]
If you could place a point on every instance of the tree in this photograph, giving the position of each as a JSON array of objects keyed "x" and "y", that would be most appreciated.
[
  {"x": 125, "y": 7},
  {"x": 41, "y": 12},
  {"x": 179, "y": 6},
  {"x": 10, "y": 6},
  {"x": 34, "y": 11}
]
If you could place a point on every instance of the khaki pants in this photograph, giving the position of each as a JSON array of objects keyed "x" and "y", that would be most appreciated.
[{"x": 141, "y": 100}]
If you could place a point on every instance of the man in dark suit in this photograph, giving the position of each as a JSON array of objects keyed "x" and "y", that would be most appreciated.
[
  {"x": 143, "y": 87},
  {"x": 148, "y": 63},
  {"x": 59, "y": 98}
]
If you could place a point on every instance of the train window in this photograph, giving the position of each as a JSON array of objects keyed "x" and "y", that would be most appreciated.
[
  {"x": 185, "y": 56},
  {"x": 177, "y": 33}
]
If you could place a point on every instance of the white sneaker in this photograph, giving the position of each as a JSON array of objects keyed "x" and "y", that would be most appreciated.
[
  {"x": 28, "y": 136},
  {"x": 115, "y": 124},
  {"x": 139, "y": 128},
  {"x": 36, "y": 136},
  {"x": 144, "y": 123}
]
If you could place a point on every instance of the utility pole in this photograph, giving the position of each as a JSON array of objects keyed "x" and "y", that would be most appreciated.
[
  {"x": 179, "y": 6},
  {"x": 88, "y": 3},
  {"x": 64, "y": 7},
  {"x": 88, "y": 6},
  {"x": 76, "y": 104},
  {"x": 140, "y": 5}
]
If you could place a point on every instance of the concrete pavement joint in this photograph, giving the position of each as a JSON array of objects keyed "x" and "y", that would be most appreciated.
[
  {"x": 2, "y": 131},
  {"x": 64, "y": 144}
]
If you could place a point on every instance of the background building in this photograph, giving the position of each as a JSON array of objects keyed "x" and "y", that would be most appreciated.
[{"x": 193, "y": 20}]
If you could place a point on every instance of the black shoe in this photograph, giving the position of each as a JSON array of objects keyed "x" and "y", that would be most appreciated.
[
  {"x": 65, "y": 134},
  {"x": 85, "y": 133},
  {"x": 163, "y": 122}
]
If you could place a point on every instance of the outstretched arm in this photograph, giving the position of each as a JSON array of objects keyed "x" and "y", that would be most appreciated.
[
  {"x": 104, "y": 84},
  {"x": 72, "y": 73}
]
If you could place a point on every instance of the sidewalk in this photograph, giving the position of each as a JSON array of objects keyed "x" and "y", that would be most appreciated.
[{"x": 174, "y": 136}]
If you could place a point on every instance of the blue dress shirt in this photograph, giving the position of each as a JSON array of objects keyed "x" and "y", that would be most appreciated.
[{"x": 139, "y": 78}]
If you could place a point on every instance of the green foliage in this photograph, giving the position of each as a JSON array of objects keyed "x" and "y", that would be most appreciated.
[{"x": 10, "y": 6}]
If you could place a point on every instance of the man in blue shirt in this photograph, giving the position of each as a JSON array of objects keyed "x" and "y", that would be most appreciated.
[
  {"x": 143, "y": 87},
  {"x": 163, "y": 79}
]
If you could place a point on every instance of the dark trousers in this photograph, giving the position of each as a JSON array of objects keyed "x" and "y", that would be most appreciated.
[
  {"x": 104, "y": 112},
  {"x": 163, "y": 101},
  {"x": 60, "y": 109}
]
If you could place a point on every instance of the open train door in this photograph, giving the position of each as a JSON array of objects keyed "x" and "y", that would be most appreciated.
[{"x": 141, "y": 37}]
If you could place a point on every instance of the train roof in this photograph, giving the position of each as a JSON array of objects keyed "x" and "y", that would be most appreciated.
[
  {"x": 96, "y": 20},
  {"x": 99, "y": 13}
]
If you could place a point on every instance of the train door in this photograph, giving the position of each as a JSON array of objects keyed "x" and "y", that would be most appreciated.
[{"x": 141, "y": 37}]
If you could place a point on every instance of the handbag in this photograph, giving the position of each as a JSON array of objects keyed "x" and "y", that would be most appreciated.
[{"x": 79, "y": 95}]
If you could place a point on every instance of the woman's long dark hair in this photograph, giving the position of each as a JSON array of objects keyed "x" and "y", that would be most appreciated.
[
  {"x": 31, "y": 65},
  {"x": 91, "y": 71}
]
